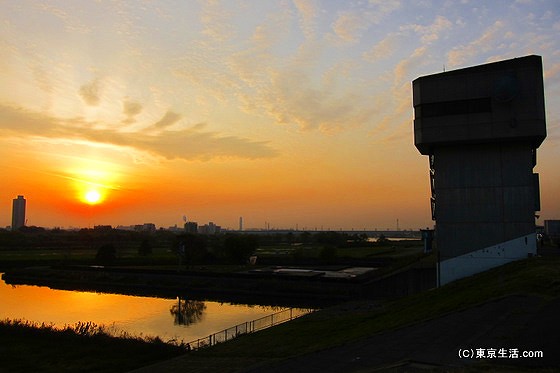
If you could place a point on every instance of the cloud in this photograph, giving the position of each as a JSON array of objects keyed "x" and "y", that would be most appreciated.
[
  {"x": 402, "y": 70},
  {"x": 293, "y": 99},
  {"x": 131, "y": 109},
  {"x": 461, "y": 54},
  {"x": 169, "y": 119},
  {"x": 552, "y": 71},
  {"x": 349, "y": 26},
  {"x": 380, "y": 9},
  {"x": 308, "y": 11},
  {"x": 90, "y": 93},
  {"x": 216, "y": 21},
  {"x": 383, "y": 49},
  {"x": 189, "y": 144},
  {"x": 432, "y": 32}
]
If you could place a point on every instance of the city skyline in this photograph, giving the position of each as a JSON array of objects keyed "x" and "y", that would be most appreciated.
[{"x": 288, "y": 113}]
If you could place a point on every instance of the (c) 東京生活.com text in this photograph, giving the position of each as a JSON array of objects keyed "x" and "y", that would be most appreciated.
[{"x": 497, "y": 353}]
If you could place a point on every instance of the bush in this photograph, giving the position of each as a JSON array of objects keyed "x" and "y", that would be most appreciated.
[
  {"x": 328, "y": 254},
  {"x": 238, "y": 248},
  {"x": 145, "y": 247},
  {"x": 106, "y": 255},
  {"x": 192, "y": 248}
]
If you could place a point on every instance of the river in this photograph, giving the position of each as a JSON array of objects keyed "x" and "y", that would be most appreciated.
[{"x": 179, "y": 319}]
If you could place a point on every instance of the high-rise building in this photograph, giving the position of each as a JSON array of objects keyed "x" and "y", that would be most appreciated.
[
  {"x": 18, "y": 213},
  {"x": 481, "y": 127}
]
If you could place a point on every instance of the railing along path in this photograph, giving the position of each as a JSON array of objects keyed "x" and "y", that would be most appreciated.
[{"x": 248, "y": 327}]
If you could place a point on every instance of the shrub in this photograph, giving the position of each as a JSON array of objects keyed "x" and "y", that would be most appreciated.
[{"x": 106, "y": 255}]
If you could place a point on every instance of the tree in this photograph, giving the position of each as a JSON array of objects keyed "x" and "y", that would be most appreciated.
[
  {"x": 106, "y": 254},
  {"x": 238, "y": 248},
  {"x": 187, "y": 312},
  {"x": 192, "y": 248},
  {"x": 382, "y": 239},
  {"x": 145, "y": 247}
]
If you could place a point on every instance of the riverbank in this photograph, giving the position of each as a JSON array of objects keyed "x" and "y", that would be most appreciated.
[
  {"x": 512, "y": 307},
  {"x": 283, "y": 286},
  {"x": 84, "y": 347},
  {"x": 349, "y": 330}
]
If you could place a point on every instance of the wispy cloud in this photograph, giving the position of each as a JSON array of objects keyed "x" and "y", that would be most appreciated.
[
  {"x": 383, "y": 49},
  {"x": 432, "y": 32},
  {"x": 308, "y": 11},
  {"x": 131, "y": 109},
  {"x": 487, "y": 41},
  {"x": 189, "y": 144},
  {"x": 90, "y": 93},
  {"x": 169, "y": 119}
]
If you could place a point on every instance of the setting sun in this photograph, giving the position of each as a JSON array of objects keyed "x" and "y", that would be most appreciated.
[{"x": 92, "y": 197}]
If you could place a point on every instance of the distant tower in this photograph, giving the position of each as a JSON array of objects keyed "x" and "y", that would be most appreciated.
[
  {"x": 241, "y": 223},
  {"x": 481, "y": 127},
  {"x": 18, "y": 213}
]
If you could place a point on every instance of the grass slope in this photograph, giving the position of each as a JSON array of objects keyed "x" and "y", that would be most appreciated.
[{"x": 349, "y": 322}]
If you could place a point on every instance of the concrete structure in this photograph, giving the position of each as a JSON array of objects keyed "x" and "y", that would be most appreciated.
[
  {"x": 480, "y": 127},
  {"x": 552, "y": 230},
  {"x": 18, "y": 213}
]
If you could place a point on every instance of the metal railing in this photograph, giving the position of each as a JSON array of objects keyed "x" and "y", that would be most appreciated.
[{"x": 248, "y": 327}]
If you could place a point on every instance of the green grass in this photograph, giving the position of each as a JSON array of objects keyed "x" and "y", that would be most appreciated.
[
  {"x": 83, "y": 347},
  {"x": 81, "y": 256}
]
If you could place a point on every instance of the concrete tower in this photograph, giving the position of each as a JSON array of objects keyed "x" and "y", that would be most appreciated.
[
  {"x": 481, "y": 127},
  {"x": 18, "y": 212}
]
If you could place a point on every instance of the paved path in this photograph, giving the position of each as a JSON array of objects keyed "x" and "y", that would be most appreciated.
[{"x": 521, "y": 322}]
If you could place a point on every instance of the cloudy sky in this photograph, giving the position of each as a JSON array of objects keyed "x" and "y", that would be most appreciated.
[{"x": 288, "y": 113}]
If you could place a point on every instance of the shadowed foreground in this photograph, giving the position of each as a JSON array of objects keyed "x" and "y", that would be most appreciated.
[{"x": 513, "y": 307}]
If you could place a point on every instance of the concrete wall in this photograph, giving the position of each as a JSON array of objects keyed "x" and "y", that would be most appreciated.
[
  {"x": 501, "y": 101},
  {"x": 487, "y": 258},
  {"x": 482, "y": 126},
  {"x": 484, "y": 195}
]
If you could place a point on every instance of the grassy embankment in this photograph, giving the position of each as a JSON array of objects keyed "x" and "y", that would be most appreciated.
[
  {"x": 349, "y": 322},
  {"x": 84, "y": 347}
]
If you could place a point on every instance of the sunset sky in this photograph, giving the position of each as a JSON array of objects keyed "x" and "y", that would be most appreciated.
[{"x": 288, "y": 113}]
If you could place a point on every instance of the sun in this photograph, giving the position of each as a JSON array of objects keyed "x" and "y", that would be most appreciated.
[{"x": 92, "y": 197}]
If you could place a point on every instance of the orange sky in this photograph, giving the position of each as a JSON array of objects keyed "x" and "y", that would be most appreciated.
[{"x": 287, "y": 113}]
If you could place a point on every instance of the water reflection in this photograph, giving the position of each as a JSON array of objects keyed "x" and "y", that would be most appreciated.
[
  {"x": 136, "y": 315},
  {"x": 187, "y": 312}
]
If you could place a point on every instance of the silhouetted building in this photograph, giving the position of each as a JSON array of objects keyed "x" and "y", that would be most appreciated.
[
  {"x": 481, "y": 127},
  {"x": 209, "y": 228},
  {"x": 103, "y": 228},
  {"x": 552, "y": 230},
  {"x": 191, "y": 227},
  {"x": 146, "y": 227},
  {"x": 18, "y": 213}
]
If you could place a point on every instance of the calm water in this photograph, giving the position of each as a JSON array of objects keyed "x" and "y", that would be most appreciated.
[{"x": 179, "y": 319}]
